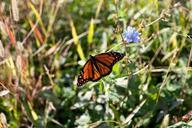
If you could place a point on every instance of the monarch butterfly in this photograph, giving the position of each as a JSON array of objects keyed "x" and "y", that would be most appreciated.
[{"x": 98, "y": 66}]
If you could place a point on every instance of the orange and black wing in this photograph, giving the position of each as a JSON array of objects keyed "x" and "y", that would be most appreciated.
[
  {"x": 109, "y": 58},
  {"x": 90, "y": 72},
  {"x": 86, "y": 73},
  {"x": 104, "y": 63},
  {"x": 98, "y": 66}
]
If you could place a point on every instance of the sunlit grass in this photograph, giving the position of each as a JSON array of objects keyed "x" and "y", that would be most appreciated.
[{"x": 44, "y": 44}]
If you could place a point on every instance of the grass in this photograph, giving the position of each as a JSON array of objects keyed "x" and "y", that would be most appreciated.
[{"x": 44, "y": 45}]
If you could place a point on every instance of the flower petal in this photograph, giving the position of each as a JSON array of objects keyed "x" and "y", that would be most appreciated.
[{"x": 131, "y": 35}]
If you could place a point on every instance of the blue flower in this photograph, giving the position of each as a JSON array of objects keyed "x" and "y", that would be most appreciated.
[{"x": 131, "y": 35}]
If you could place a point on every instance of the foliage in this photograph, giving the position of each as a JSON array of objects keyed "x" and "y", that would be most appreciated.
[{"x": 44, "y": 44}]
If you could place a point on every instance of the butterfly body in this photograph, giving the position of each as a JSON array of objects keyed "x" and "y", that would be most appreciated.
[{"x": 98, "y": 66}]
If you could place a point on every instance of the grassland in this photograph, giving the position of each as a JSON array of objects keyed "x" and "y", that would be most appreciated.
[{"x": 44, "y": 45}]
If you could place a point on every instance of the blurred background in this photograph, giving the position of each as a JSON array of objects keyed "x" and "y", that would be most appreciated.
[{"x": 44, "y": 45}]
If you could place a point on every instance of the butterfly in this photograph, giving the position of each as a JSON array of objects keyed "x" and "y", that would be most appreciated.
[{"x": 98, "y": 66}]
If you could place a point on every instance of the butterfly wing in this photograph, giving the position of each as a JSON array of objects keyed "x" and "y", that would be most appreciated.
[
  {"x": 86, "y": 73},
  {"x": 98, "y": 67},
  {"x": 104, "y": 62},
  {"x": 109, "y": 59}
]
